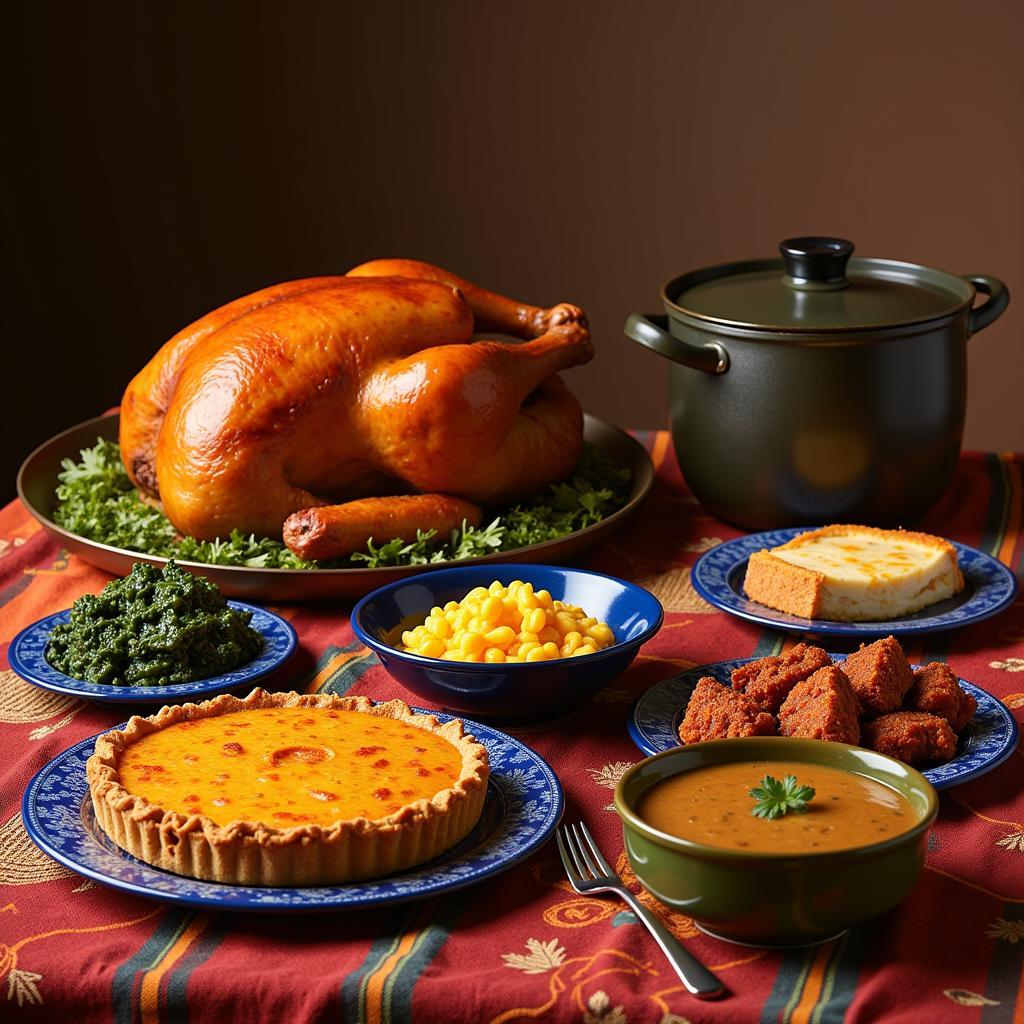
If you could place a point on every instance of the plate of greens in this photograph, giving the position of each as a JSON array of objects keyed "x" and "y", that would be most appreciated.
[
  {"x": 156, "y": 635},
  {"x": 78, "y": 490}
]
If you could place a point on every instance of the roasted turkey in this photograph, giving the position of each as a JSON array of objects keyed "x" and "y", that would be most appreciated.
[{"x": 336, "y": 409}]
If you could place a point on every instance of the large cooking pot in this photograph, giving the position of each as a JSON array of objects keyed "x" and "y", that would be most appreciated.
[{"x": 817, "y": 388}]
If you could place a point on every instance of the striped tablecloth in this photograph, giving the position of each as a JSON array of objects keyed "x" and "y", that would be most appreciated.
[{"x": 523, "y": 947}]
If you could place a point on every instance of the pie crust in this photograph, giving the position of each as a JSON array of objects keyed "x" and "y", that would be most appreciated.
[{"x": 255, "y": 853}]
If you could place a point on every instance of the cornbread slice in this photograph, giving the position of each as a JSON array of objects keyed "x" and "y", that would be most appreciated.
[
  {"x": 822, "y": 707},
  {"x": 716, "y": 712},
  {"x": 937, "y": 691},
  {"x": 767, "y": 681},
  {"x": 911, "y": 736},
  {"x": 854, "y": 574},
  {"x": 880, "y": 675}
]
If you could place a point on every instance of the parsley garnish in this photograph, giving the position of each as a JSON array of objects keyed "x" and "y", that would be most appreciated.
[
  {"x": 774, "y": 798},
  {"x": 97, "y": 500}
]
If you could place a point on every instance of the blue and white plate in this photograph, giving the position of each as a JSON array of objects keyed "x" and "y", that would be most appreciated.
[
  {"x": 522, "y": 808},
  {"x": 718, "y": 575},
  {"x": 987, "y": 741},
  {"x": 27, "y": 657}
]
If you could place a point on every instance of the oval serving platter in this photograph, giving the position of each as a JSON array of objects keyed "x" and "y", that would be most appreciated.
[
  {"x": 27, "y": 657},
  {"x": 37, "y": 483},
  {"x": 988, "y": 739},
  {"x": 523, "y": 807},
  {"x": 718, "y": 576}
]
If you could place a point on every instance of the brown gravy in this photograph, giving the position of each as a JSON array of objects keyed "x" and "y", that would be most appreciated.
[{"x": 712, "y": 805}]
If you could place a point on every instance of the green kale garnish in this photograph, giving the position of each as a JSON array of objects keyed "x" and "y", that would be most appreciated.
[
  {"x": 775, "y": 798},
  {"x": 96, "y": 500}
]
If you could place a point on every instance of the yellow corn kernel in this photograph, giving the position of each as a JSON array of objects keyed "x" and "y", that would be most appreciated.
[
  {"x": 551, "y": 649},
  {"x": 513, "y": 658},
  {"x": 439, "y": 626},
  {"x": 472, "y": 643},
  {"x": 580, "y": 651},
  {"x": 502, "y": 637},
  {"x": 496, "y": 589},
  {"x": 544, "y": 599},
  {"x": 473, "y": 657},
  {"x": 602, "y": 634},
  {"x": 526, "y": 602},
  {"x": 525, "y": 649},
  {"x": 408, "y": 640},
  {"x": 526, "y": 637},
  {"x": 451, "y": 606},
  {"x": 432, "y": 648},
  {"x": 491, "y": 609},
  {"x": 564, "y": 623},
  {"x": 477, "y": 594},
  {"x": 537, "y": 654},
  {"x": 588, "y": 621},
  {"x": 571, "y": 641},
  {"x": 494, "y": 655},
  {"x": 534, "y": 620},
  {"x": 452, "y": 656},
  {"x": 549, "y": 635}
]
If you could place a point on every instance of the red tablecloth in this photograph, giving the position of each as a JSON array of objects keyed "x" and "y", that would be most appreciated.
[{"x": 523, "y": 946}]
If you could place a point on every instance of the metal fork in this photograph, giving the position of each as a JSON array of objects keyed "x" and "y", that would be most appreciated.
[{"x": 590, "y": 873}]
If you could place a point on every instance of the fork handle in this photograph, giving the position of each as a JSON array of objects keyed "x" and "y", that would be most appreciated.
[{"x": 699, "y": 981}]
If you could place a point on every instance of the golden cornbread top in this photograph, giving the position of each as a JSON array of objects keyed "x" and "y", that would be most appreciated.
[
  {"x": 499, "y": 624},
  {"x": 865, "y": 554},
  {"x": 289, "y": 766}
]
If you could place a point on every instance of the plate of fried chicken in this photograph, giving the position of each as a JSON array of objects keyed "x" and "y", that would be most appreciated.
[{"x": 924, "y": 715}]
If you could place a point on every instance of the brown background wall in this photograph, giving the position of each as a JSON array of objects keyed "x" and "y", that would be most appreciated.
[{"x": 167, "y": 158}]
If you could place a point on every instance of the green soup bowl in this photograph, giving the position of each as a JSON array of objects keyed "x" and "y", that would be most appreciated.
[{"x": 775, "y": 899}]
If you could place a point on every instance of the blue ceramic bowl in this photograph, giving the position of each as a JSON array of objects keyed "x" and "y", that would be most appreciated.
[{"x": 522, "y": 692}]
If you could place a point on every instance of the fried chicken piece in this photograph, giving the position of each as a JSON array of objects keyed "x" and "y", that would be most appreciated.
[
  {"x": 715, "y": 712},
  {"x": 767, "y": 681},
  {"x": 938, "y": 691},
  {"x": 911, "y": 736},
  {"x": 880, "y": 675},
  {"x": 822, "y": 707}
]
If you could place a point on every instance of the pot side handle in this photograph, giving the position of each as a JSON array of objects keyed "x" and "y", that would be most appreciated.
[
  {"x": 993, "y": 307},
  {"x": 652, "y": 332}
]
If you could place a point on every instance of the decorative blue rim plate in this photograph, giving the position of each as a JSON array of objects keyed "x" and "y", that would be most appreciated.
[
  {"x": 718, "y": 574},
  {"x": 27, "y": 657},
  {"x": 988, "y": 740},
  {"x": 522, "y": 808}
]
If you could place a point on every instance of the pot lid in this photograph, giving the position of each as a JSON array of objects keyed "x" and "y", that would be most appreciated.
[{"x": 817, "y": 287}]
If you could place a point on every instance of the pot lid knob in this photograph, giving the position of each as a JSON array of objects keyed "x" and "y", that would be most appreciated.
[{"x": 815, "y": 263}]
